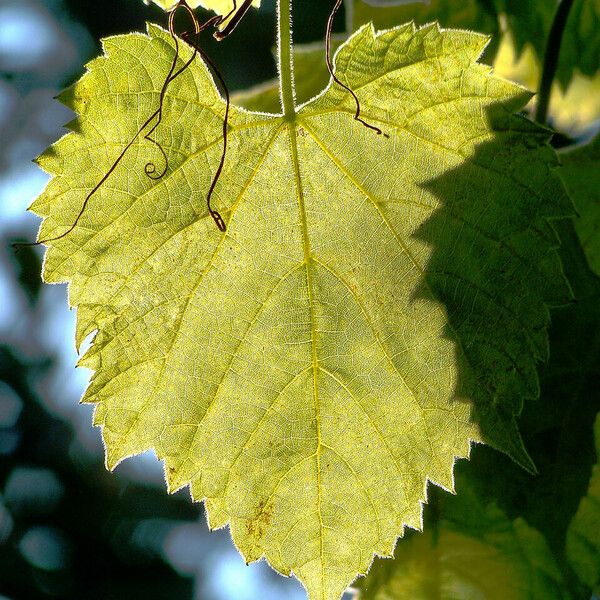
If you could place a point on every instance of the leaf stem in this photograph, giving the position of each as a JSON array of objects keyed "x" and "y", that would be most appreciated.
[
  {"x": 551, "y": 60},
  {"x": 286, "y": 59}
]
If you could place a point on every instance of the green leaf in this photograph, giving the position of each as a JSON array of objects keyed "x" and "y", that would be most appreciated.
[
  {"x": 475, "y": 551},
  {"x": 374, "y": 307},
  {"x": 581, "y": 175},
  {"x": 311, "y": 74},
  {"x": 561, "y": 435},
  {"x": 583, "y": 535},
  {"x": 558, "y": 430}
]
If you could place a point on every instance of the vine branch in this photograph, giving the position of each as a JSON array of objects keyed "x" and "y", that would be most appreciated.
[{"x": 551, "y": 59}]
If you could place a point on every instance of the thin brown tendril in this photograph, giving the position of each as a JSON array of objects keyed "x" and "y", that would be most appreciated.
[
  {"x": 328, "y": 35},
  {"x": 193, "y": 38},
  {"x": 235, "y": 15},
  {"x": 150, "y": 168},
  {"x": 218, "y": 219}
]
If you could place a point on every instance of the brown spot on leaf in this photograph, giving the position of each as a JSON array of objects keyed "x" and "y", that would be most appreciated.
[{"x": 256, "y": 526}]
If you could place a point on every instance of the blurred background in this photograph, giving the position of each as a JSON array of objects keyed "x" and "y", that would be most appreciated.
[{"x": 68, "y": 528}]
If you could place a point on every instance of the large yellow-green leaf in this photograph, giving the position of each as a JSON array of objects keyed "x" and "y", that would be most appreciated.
[
  {"x": 375, "y": 305},
  {"x": 583, "y": 535},
  {"x": 581, "y": 175},
  {"x": 311, "y": 69}
]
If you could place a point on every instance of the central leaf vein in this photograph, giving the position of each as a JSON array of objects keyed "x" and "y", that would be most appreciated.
[{"x": 311, "y": 301}]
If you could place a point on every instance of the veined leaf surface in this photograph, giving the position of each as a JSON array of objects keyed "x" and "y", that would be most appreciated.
[{"x": 374, "y": 306}]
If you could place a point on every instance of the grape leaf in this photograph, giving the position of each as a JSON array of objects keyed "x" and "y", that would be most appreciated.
[
  {"x": 581, "y": 175},
  {"x": 559, "y": 437},
  {"x": 375, "y": 305},
  {"x": 311, "y": 69},
  {"x": 583, "y": 535},
  {"x": 474, "y": 551}
]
